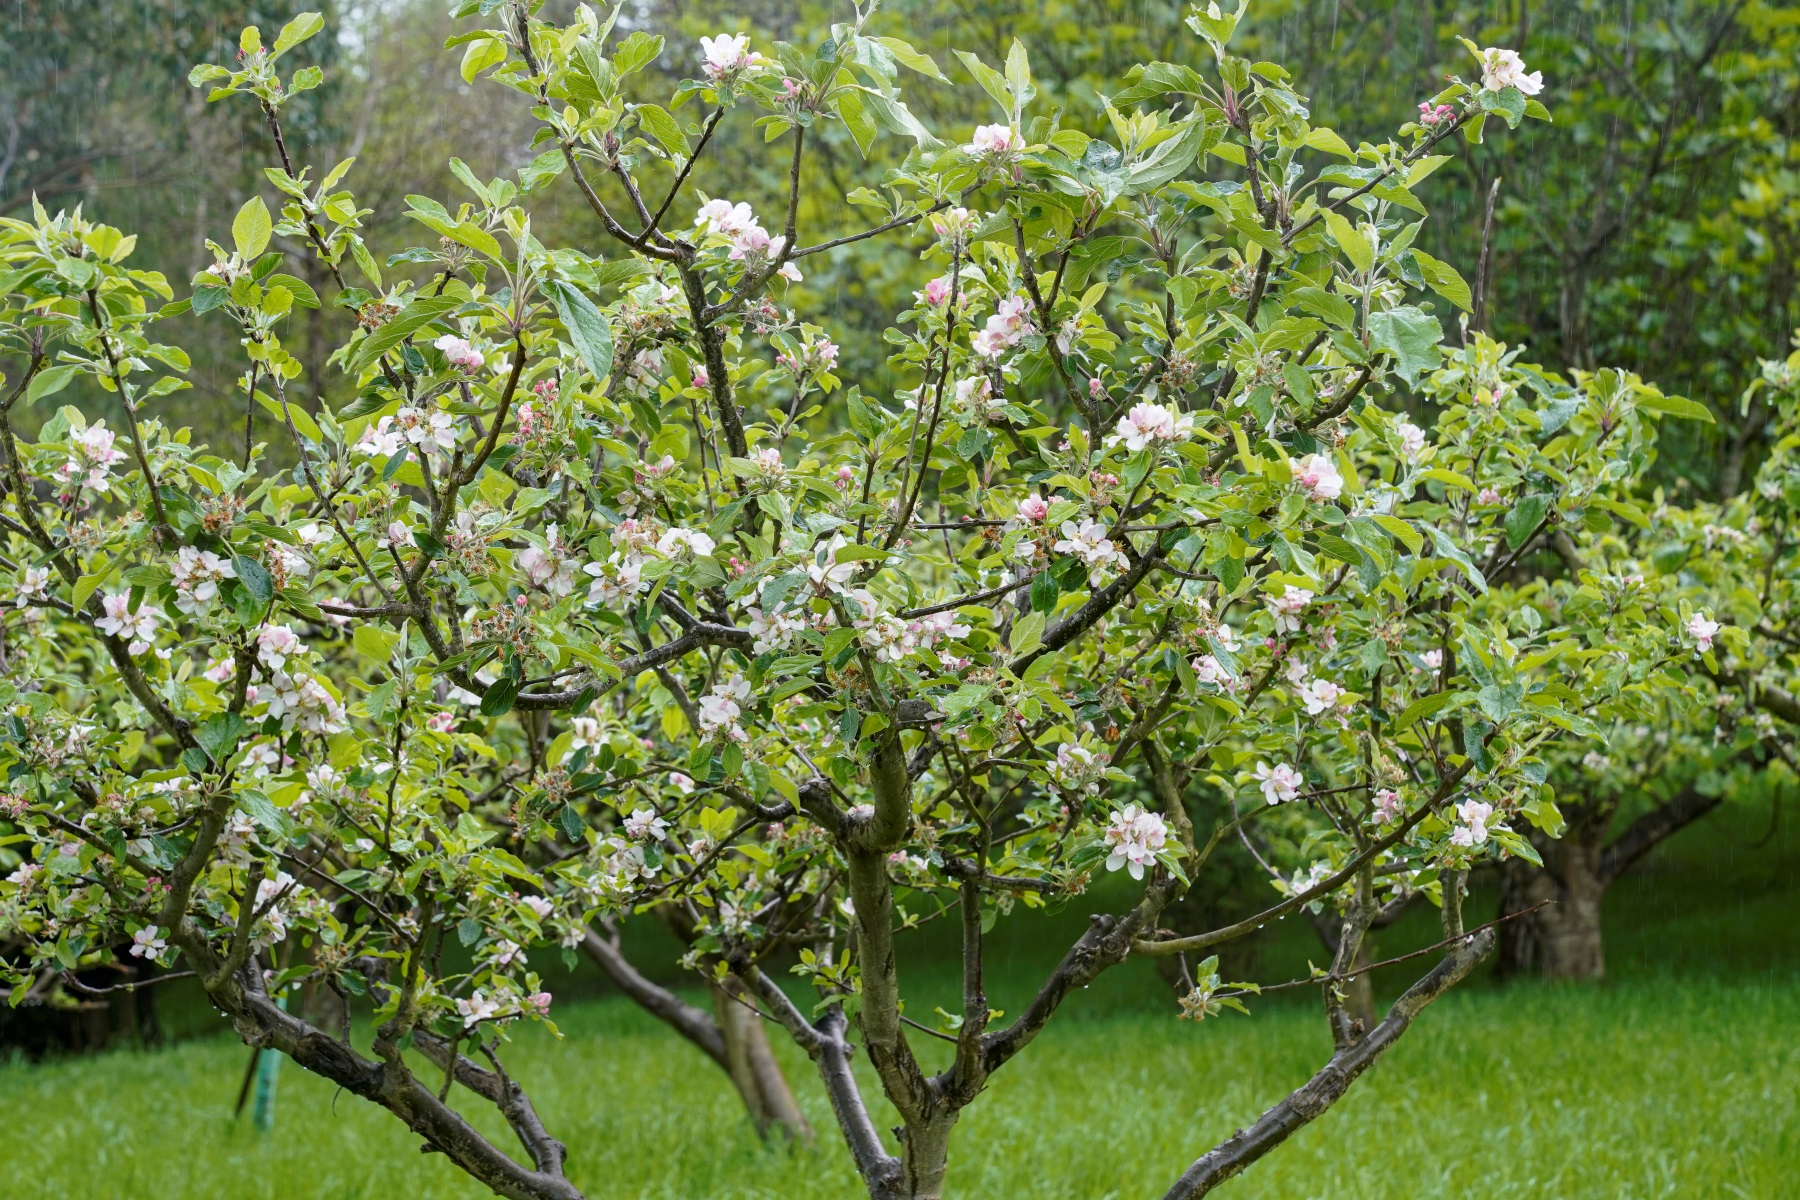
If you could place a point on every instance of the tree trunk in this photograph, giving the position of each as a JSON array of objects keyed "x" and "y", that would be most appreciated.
[
  {"x": 924, "y": 1157},
  {"x": 757, "y": 1076},
  {"x": 1562, "y": 939}
]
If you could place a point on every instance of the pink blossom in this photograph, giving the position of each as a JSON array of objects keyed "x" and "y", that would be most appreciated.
[
  {"x": 993, "y": 141},
  {"x": 462, "y": 356},
  {"x": 1034, "y": 508},
  {"x": 1318, "y": 474}
]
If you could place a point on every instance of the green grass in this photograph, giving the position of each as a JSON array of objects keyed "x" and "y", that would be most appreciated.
[
  {"x": 1679, "y": 1077},
  {"x": 1641, "y": 1090}
]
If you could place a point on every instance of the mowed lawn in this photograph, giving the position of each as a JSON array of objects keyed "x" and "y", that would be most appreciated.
[{"x": 1678, "y": 1077}]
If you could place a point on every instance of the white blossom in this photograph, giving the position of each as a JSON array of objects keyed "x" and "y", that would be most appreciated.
[
  {"x": 1472, "y": 818},
  {"x": 147, "y": 943},
  {"x": 1148, "y": 424},
  {"x": 138, "y": 628},
  {"x": 1089, "y": 543},
  {"x": 1501, "y": 68},
  {"x": 1287, "y": 607},
  {"x": 1280, "y": 783},
  {"x": 1133, "y": 837}
]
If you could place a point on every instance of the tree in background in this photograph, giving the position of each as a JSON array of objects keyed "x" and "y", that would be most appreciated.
[{"x": 1726, "y": 570}]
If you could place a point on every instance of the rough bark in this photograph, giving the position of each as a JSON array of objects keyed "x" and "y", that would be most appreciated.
[{"x": 1562, "y": 939}]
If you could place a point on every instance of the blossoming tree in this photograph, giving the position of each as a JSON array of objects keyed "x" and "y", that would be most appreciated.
[{"x": 606, "y": 594}]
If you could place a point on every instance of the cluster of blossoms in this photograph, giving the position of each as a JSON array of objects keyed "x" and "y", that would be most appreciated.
[
  {"x": 1151, "y": 424},
  {"x": 1430, "y": 116},
  {"x": 644, "y": 825},
  {"x": 975, "y": 402},
  {"x": 411, "y": 426},
  {"x": 550, "y": 566},
  {"x": 138, "y": 628},
  {"x": 719, "y": 709},
  {"x": 504, "y": 1005},
  {"x": 1471, "y": 824},
  {"x": 893, "y": 638},
  {"x": 1412, "y": 441},
  {"x": 93, "y": 459},
  {"x": 728, "y": 56},
  {"x": 1319, "y": 696},
  {"x": 1388, "y": 806},
  {"x": 994, "y": 141},
  {"x": 1078, "y": 770},
  {"x": 196, "y": 576},
  {"x": 462, "y": 356},
  {"x": 1010, "y": 323},
  {"x": 773, "y": 631},
  {"x": 936, "y": 293},
  {"x": 1501, "y": 69},
  {"x": 1089, "y": 542},
  {"x": 817, "y": 353},
  {"x": 1133, "y": 837},
  {"x": 1280, "y": 783},
  {"x": 750, "y": 242}
]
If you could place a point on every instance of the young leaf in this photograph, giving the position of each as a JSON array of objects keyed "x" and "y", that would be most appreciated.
[{"x": 250, "y": 230}]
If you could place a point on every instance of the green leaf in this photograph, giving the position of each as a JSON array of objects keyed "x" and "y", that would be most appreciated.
[
  {"x": 250, "y": 229},
  {"x": 906, "y": 56},
  {"x": 255, "y": 577},
  {"x": 664, "y": 128},
  {"x": 262, "y": 810},
  {"x": 1524, "y": 518},
  {"x": 374, "y": 643},
  {"x": 296, "y": 31},
  {"x": 1425, "y": 706},
  {"x": 1449, "y": 549},
  {"x": 301, "y": 291},
  {"x": 1401, "y": 530},
  {"x": 1411, "y": 335},
  {"x": 854, "y": 553},
  {"x": 587, "y": 327},
  {"x": 1350, "y": 239},
  {"x": 304, "y": 425},
  {"x": 46, "y": 383},
  {"x": 481, "y": 54},
  {"x": 1654, "y": 401},
  {"x": 498, "y": 699},
  {"x": 218, "y": 735},
  {"x": 1443, "y": 279},
  {"x": 1500, "y": 701},
  {"x": 1329, "y": 141}
]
